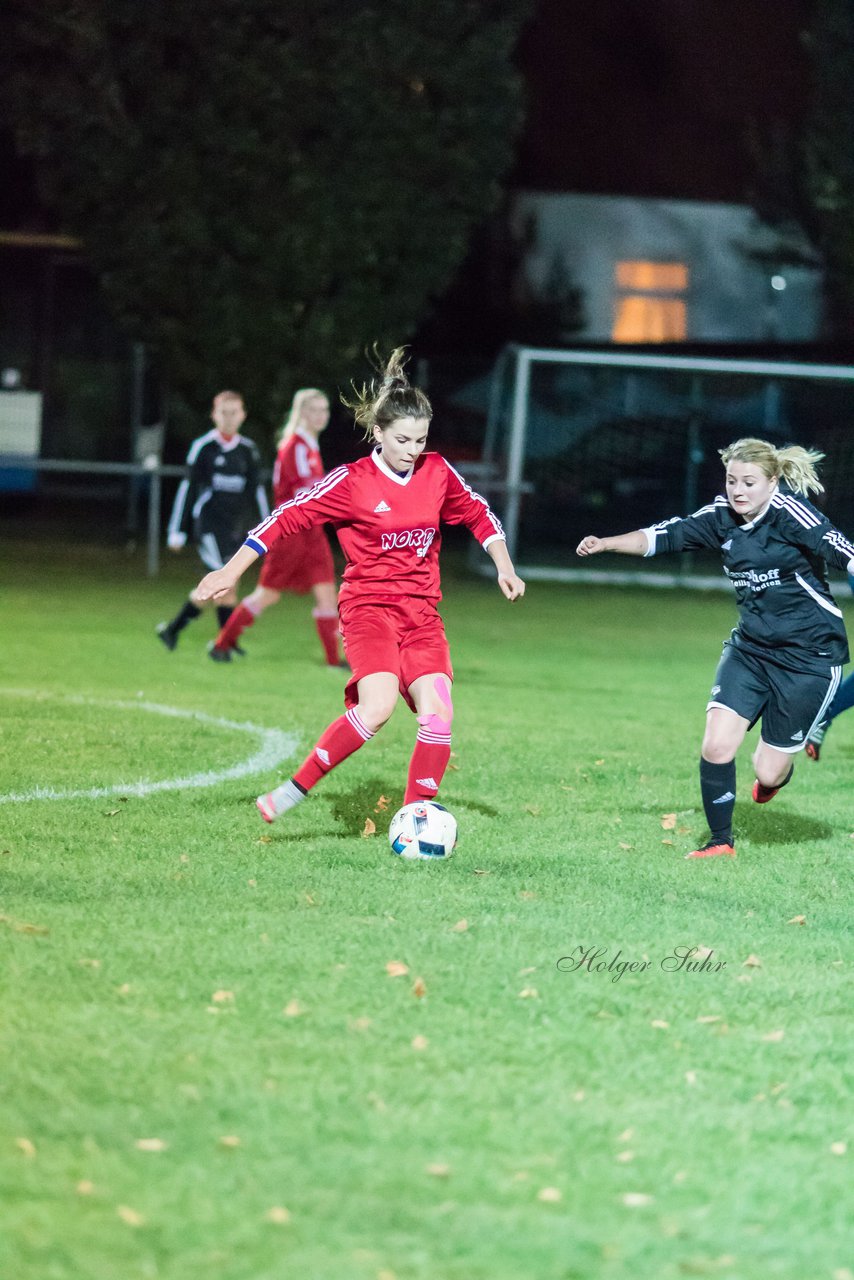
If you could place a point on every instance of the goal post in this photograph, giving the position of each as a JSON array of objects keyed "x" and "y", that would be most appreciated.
[{"x": 582, "y": 442}]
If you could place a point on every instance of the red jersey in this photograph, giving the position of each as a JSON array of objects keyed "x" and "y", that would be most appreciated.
[
  {"x": 297, "y": 467},
  {"x": 387, "y": 524}
]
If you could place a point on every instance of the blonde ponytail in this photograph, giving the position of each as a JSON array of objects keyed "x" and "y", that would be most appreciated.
[
  {"x": 793, "y": 464},
  {"x": 388, "y": 397}
]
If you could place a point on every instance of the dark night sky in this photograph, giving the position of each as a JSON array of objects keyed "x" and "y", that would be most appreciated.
[
  {"x": 635, "y": 97},
  {"x": 653, "y": 97}
]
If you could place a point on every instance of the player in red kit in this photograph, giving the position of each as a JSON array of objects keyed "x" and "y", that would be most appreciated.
[
  {"x": 302, "y": 562},
  {"x": 386, "y": 509}
]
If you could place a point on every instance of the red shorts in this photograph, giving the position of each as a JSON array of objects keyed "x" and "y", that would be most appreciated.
[
  {"x": 298, "y": 562},
  {"x": 401, "y": 635}
]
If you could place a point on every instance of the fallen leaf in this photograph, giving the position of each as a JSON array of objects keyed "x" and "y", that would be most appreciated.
[
  {"x": 124, "y": 989},
  {"x": 293, "y": 1009},
  {"x": 460, "y": 926},
  {"x": 668, "y": 842},
  {"x": 797, "y": 920},
  {"x": 843, "y": 1273},
  {"x": 680, "y": 1175},
  {"x": 89, "y": 962},
  {"x": 838, "y": 1148},
  {"x": 278, "y": 1214},
  {"x": 22, "y": 926},
  {"x": 668, "y": 821},
  {"x": 264, "y": 840},
  {"x": 360, "y": 1024},
  {"x": 626, "y": 1135},
  {"x": 774, "y": 1037},
  {"x": 478, "y": 872},
  {"x": 370, "y": 828},
  {"x": 455, "y": 768},
  {"x": 151, "y": 1144},
  {"x": 637, "y": 1199},
  {"x": 438, "y": 1170},
  {"x": 625, "y": 1156},
  {"x": 111, "y": 813},
  {"x": 690, "y": 1077},
  {"x": 26, "y": 1147},
  {"x": 550, "y": 1195},
  {"x": 598, "y": 761},
  {"x": 623, "y": 845},
  {"x": 534, "y": 809},
  {"x": 229, "y": 1141},
  {"x": 528, "y": 895},
  {"x": 419, "y": 1042},
  {"x": 710, "y": 1017},
  {"x": 382, "y": 804},
  {"x": 397, "y": 969},
  {"x": 419, "y": 988},
  {"x": 659, "y": 1024},
  {"x": 252, "y": 884},
  {"x": 703, "y": 952},
  {"x": 223, "y": 997},
  {"x": 85, "y": 1187},
  {"x": 130, "y": 1216},
  {"x": 752, "y": 962},
  {"x": 531, "y": 969},
  {"x": 578, "y": 1096},
  {"x": 529, "y": 993}
]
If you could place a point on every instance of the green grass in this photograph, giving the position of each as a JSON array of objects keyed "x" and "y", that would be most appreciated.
[{"x": 579, "y": 714}]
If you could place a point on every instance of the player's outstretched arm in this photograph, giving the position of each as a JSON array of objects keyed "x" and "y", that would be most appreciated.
[
  {"x": 221, "y": 581},
  {"x": 508, "y": 579},
  {"x": 627, "y": 544}
]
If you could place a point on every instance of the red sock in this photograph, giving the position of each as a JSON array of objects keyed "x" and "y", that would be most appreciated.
[
  {"x": 327, "y": 629},
  {"x": 344, "y": 736},
  {"x": 240, "y": 619},
  {"x": 429, "y": 761}
]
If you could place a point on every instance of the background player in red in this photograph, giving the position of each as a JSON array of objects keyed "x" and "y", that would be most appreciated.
[
  {"x": 302, "y": 562},
  {"x": 386, "y": 510},
  {"x": 213, "y": 503}
]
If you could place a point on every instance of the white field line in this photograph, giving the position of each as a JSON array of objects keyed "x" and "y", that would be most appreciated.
[{"x": 273, "y": 747}]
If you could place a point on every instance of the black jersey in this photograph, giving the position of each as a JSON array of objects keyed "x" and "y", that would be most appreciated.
[
  {"x": 222, "y": 485},
  {"x": 776, "y": 563}
]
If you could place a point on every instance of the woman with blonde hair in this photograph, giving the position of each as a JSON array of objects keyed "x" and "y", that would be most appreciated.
[
  {"x": 783, "y": 661},
  {"x": 302, "y": 562},
  {"x": 386, "y": 509}
]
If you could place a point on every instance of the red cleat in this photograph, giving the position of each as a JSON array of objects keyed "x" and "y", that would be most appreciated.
[
  {"x": 763, "y": 794},
  {"x": 813, "y": 750},
  {"x": 714, "y": 849},
  {"x": 266, "y": 808}
]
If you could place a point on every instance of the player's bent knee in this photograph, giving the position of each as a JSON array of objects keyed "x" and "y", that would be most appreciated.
[
  {"x": 375, "y": 713},
  {"x": 718, "y": 750}
]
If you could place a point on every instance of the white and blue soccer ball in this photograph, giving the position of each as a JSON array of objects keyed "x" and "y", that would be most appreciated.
[{"x": 423, "y": 829}]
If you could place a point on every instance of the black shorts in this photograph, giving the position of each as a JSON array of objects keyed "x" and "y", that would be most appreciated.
[
  {"x": 216, "y": 546},
  {"x": 789, "y": 703}
]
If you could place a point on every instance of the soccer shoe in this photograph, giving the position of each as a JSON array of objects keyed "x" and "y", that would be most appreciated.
[
  {"x": 714, "y": 849},
  {"x": 241, "y": 653},
  {"x": 266, "y": 808},
  {"x": 167, "y": 635},
  {"x": 218, "y": 655},
  {"x": 763, "y": 794},
  {"x": 813, "y": 750}
]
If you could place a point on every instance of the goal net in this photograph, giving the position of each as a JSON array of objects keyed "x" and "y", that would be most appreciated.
[{"x": 582, "y": 442}]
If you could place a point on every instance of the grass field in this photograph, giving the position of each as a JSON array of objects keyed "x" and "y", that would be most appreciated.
[{"x": 217, "y": 1057}]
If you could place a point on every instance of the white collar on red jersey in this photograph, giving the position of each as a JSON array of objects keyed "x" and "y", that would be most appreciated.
[
  {"x": 306, "y": 438},
  {"x": 376, "y": 454}
]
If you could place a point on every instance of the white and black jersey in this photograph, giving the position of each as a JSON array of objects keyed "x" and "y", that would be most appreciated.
[
  {"x": 214, "y": 503},
  {"x": 776, "y": 563}
]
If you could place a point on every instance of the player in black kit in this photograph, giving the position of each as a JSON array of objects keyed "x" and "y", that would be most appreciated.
[
  {"x": 212, "y": 503},
  {"x": 783, "y": 661}
]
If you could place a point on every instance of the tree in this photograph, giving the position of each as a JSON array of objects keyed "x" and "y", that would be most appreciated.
[
  {"x": 265, "y": 187},
  {"x": 805, "y": 174}
]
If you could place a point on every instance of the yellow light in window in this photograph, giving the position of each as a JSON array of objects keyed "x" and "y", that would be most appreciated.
[
  {"x": 659, "y": 277},
  {"x": 641, "y": 318}
]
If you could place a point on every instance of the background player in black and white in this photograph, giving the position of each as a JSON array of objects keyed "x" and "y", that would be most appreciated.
[
  {"x": 784, "y": 658},
  {"x": 213, "y": 502}
]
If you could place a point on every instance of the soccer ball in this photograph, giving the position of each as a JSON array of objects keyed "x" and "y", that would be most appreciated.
[{"x": 423, "y": 829}]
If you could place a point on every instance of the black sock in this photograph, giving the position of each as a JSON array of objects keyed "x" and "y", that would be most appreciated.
[
  {"x": 186, "y": 614},
  {"x": 717, "y": 786},
  {"x": 223, "y": 613}
]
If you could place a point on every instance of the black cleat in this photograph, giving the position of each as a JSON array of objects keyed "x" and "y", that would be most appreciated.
[
  {"x": 241, "y": 653},
  {"x": 218, "y": 655},
  {"x": 167, "y": 635}
]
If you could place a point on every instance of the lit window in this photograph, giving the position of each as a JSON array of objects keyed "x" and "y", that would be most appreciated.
[{"x": 648, "y": 305}]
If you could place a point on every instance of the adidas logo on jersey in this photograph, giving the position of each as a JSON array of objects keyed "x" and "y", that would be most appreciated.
[
  {"x": 799, "y": 736},
  {"x": 381, "y": 506},
  {"x": 429, "y": 783},
  {"x": 725, "y": 546},
  {"x": 321, "y": 754}
]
